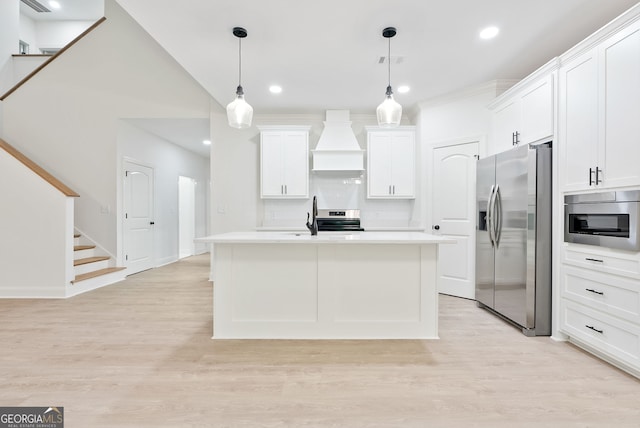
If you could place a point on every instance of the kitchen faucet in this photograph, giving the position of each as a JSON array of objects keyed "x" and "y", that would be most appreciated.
[{"x": 313, "y": 226}]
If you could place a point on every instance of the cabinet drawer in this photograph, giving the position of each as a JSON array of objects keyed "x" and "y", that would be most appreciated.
[
  {"x": 612, "y": 336},
  {"x": 609, "y": 293},
  {"x": 603, "y": 260}
]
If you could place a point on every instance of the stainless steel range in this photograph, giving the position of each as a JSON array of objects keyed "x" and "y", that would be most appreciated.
[{"x": 339, "y": 220}]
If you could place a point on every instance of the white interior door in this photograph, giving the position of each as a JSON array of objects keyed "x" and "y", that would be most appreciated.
[
  {"x": 138, "y": 217},
  {"x": 454, "y": 190},
  {"x": 186, "y": 216}
]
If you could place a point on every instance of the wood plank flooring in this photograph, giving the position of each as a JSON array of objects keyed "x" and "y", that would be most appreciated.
[{"x": 139, "y": 353}]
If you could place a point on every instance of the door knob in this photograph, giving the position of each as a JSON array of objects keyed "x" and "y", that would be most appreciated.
[{"x": 436, "y": 227}]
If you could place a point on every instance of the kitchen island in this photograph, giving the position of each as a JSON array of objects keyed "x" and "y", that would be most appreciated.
[{"x": 337, "y": 285}]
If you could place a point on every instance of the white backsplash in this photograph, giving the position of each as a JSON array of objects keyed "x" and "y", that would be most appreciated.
[{"x": 339, "y": 190}]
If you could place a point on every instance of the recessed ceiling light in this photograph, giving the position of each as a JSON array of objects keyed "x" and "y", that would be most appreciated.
[
  {"x": 403, "y": 89},
  {"x": 489, "y": 33},
  {"x": 275, "y": 89},
  {"x": 54, "y": 5},
  {"x": 206, "y": 142}
]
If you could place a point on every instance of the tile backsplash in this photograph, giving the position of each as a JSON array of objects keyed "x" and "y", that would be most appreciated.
[{"x": 339, "y": 190}]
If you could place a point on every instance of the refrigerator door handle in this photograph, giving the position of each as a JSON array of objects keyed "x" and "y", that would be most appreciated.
[
  {"x": 498, "y": 207},
  {"x": 490, "y": 206}
]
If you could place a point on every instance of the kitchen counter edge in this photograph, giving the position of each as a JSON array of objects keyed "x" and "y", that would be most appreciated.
[{"x": 325, "y": 238}]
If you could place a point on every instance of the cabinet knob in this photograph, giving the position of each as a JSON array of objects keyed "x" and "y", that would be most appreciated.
[{"x": 436, "y": 227}]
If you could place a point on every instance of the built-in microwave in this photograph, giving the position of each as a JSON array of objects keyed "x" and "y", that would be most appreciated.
[{"x": 606, "y": 219}]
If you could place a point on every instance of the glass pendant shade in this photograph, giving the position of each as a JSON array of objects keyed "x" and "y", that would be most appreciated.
[
  {"x": 389, "y": 112},
  {"x": 239, "y": 112}
]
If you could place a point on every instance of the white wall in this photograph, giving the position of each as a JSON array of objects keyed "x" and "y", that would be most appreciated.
[
  {"x": 235, "y": 168},
  {"x": 25, "y": 64},
  {"x": 117, "y": 71},
  {"x": 9, "y": 27},
  {"x": 454, "y": 119},
  {"x": 234, "y": 176},
  {"x": 186, "y": 215},
  {"x": 57, "y": 34},
  {"x": 30, "y": 206},
  {"x": 169, "y": 161},
  {"x": 27, "y": 33}
]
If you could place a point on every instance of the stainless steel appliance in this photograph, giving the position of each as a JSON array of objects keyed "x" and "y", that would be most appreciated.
[
  {"x": 513, "y": 237},
  {"x": 607, "y": 219},
  {"x": 339, "y": 220}
]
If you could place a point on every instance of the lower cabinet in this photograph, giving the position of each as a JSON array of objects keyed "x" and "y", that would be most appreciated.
[
  {"x": 616, "y": 340},
  {"x": 600, "y": 303}
]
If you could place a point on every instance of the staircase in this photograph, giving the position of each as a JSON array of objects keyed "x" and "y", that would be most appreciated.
[{"x": 93, "y": 267}]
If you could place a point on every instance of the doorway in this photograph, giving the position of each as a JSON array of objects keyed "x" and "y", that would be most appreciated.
[
  {"x": 138, "y": 217},
  {"x": 454, "y": 192},
  {"x": 186, "y": 216}
]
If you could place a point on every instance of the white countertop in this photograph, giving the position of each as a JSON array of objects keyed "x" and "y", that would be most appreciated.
[
  {"x": 325, "y": 238},
  {"x": 368, "y": 229}
]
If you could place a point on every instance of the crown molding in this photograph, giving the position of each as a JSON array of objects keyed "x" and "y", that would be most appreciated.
[
  {"x": 540, "y": 73},
  {"x": 492, "y": 87},
  {"x": 621, "y": 22}
]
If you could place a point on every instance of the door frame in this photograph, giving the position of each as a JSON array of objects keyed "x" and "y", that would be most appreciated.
[
  {"x": 181, "y": 219},
  {"x": 121, "y": 203},
  {"x": 429, "y": 180},
  {"x": 427, "y": 162}
]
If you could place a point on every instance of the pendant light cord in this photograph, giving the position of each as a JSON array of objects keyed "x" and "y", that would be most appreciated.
[
  {"x": 389, "y": 62},
  {"x": 239, "y": 61}
]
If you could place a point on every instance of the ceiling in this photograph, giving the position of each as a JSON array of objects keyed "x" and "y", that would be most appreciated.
[
  {"x": 325, "y": 54},
  {"x": 75, "y": 10}
]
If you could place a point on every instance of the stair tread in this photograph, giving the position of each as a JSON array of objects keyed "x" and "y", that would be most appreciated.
[
  {"x": 96, "y": 273},
  {"x": 86, "y": 260},
  {"x": 83, "y": 247}
]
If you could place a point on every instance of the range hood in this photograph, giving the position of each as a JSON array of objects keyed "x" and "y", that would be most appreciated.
[{"x": 338, "y": 148}]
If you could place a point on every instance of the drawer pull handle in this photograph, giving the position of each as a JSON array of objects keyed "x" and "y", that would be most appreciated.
[
  {"x": 594, "y": 260},
  {"x": 594, "y": 329},
  {"x": 595, "y": 291}
]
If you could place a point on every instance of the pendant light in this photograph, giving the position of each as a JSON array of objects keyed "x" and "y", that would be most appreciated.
[
  {"x": 239, "y": 112},
  {"x": 389, "y": 112}
]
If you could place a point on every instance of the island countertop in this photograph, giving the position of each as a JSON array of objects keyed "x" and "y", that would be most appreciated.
[{"x": 413, "y": 238}]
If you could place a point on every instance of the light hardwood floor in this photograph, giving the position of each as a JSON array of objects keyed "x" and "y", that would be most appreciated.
[{"x": 140, "y": 354}]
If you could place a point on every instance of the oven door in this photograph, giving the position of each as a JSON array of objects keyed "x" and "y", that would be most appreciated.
[{"x": 605, "y": 224}]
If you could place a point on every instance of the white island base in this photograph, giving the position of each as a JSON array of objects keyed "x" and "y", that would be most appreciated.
[{"x": 325, "y": 288}]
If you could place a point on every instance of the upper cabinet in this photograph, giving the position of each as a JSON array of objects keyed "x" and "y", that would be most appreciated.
[
  {"x": 524, "y": 114},
  {"x": 599, "y": 114},
  {"x": 284, "y": 162},
  {"x": 391, "y": 163}
]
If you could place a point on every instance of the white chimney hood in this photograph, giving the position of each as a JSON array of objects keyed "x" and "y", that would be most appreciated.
[{"x": 338, "y": 148}]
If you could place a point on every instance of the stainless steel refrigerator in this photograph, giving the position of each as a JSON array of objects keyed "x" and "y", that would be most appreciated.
[{"x": 513, "y": 237}]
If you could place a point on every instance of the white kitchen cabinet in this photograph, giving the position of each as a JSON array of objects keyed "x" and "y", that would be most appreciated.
[
  {"x": 391, "y": 162},
  {"x": 599, "y": 109},
  {"x": 524, "y": 114},
  {"x": 611, "y": 338},
  {"x": 578, "y": 137},
  {"x": 284, "y": 162},
  {"x": 600, "y": 302},
  {"x": 620, "y": 114}
]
